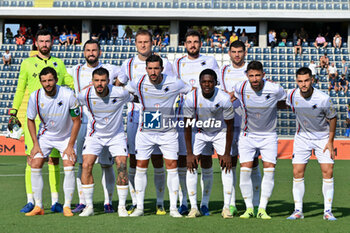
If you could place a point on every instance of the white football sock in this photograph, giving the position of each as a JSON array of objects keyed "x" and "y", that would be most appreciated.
[
  {"x": 227, "y": 183},
  {"x": 173, "y": 187},
  {"x": 122, "y": 194},
  {"x": 267, "y": 185},
  {"x": 79, "y": 188},
  {"x": 207, "y": 184},
  {"x": 183, "y": 187},
  {"x": 140, "y": 186},
  {"x": 298, "y": 193},
  {"x": 233, "y": 191},
  {"x": 246, "y": 186},
  {"x": 68, "y": 185},
  {"x": 30, "y": 198},
  {"x": 256, "y": 181},
  {"x": 191, "y": 183},
  {"x": 108, "y": 182},
  {"x": 88, "y": 190},
  {"x": 37, "y": 186},
  {"x": 328, "y": 192},
  {"x": 54, "y": 198},
  {"x": 131, "y": 177},
  {"x": 159, "y": 182}
]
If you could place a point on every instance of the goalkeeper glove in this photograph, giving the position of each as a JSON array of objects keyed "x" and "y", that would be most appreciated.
[{"x": 13, "y": 119}]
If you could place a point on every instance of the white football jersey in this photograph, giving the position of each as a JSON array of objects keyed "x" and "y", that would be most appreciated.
[
  {"x": 218, "y": 108},
  {"x": 134, "y": 68},
  {"x": 56, "y": 121},
  {"x": 259, "y": 108},
  {"x": 82, "y": 76},
  {"x": 158, "y": 98},
  {"x": 228, "y": 78},
  {"x": 189, "y": 70},
  {"x": 311, "y": 113},
  {"x": 107, "y": 112}
]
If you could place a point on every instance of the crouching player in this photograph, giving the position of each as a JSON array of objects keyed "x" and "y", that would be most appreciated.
[
  {"x": 105, "y": 102},
  {"x": 316, "y": 122},
  {"x": 59, "y": 113},
  {"x": 213, "y": 105}
]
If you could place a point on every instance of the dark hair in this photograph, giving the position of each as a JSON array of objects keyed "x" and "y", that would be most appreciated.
[
  {"x": 144, "y": 33},
  {"x": 48, "y": 70},
  {"x": 209, "y": 72},
  {"x": 154, "y": 58},
  {"x": 43, "y": 32},
  {"x": 255, "y": 65},
  {"x": 101, "y": 71},
  {"x": 193, "y": 33},
  {"x": 91, "y": 41},
  {"x": 303, "y": 70},
  {"x": 237, "y": 44}
]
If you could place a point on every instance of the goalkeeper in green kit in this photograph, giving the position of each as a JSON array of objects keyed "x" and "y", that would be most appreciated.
[{"x": 29, "y": 79}]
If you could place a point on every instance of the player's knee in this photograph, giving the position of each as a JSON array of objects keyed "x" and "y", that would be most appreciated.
[
  {"x": 37, "y": 163},
  {"x": 87, "y": 166},
  {"x": 170, "y": 164}
]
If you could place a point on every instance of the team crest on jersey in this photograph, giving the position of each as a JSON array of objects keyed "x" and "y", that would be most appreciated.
[
  {"x": 94, "y": 102},
  {"x": 42, "y": 105},
  {"x": 114, "y": 100},
  {"x": 200, "y": 105},
  {"x": 146, "y": 89},
  {"x": 192, "y": 82},
  {"x": 296, "y": 103},
  {"x": 106, "y": 119},
  {"x": 135, "y": 66},
  {"x": 156, "y": 106},
  {"x": 203, "y": 63},
  {"x": 34, "y": 75},
  {"x": 183, "y": 64},
  {"x": 166, "y": 89},
  {"x": 52, "y": 123},
  {"x": 314, "y": 106},
  {"x": 248, "y": 96},
  {"x": 54, "y": 64},
  {"x": 60, "y": 103},
  {"x": 217, "y": 105},
  {"x": 268, "y": 96}
]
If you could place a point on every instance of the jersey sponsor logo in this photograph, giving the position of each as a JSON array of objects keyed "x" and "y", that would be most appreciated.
[
  {"x": 152, "y": 120},
  {"x": 106, "y": 119},
  {"x": 34, "y": 75},
  {"x": 156, "y": 106},
  {"x": 55, "y": 64}
]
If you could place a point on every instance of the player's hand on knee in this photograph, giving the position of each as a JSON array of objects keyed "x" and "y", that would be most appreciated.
[
  {"x": 36, "y": 150},
  {"x": 226, "y": 163},
  {"x": 329, "y": 146},
  {"x": 70, "y": 153},
  {"x": 192, "y": 162}
]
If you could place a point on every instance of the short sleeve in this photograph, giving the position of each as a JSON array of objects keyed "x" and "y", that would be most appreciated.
[
  {"x": 188, "y": 109},
  {"x": 168, "y": 69},
  {"x": 288, "y": 102},
  {"x": 281, "y": 94},
  {"x": 31, "y": 109},
  {"x": 123, "y": 73},
  {"x": 114, "y": 75},
  {"x": 81, "y": 98},
  {"x": 73, "y": 101},
  {"x": 127, "y": 97},
  {"x": 330, "y": 111},
  {"x": 131, "y": 87},
  {"x": 183, "y": 87},
  {"x": 228, "y": 110}
]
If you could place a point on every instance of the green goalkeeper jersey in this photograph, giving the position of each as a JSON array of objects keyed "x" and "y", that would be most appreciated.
[{"x": 29, "y": 76}]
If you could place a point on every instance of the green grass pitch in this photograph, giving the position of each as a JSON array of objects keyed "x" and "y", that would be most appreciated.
[{"x": 280, "y": 206}]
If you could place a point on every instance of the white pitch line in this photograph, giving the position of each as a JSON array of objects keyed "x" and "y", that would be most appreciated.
[{"x": 9, "y": 175}]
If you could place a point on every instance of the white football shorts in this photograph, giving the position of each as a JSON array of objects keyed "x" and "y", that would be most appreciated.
[{"x": 46, "y": 145}]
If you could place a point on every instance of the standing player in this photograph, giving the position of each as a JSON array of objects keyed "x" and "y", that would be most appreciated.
[
  {"x": 157, "y": 93},
  {"x": 82, "y": 74},
  {"x": 230, "y": 75},
  {"x": 131, "y": 70},
  {"x": 259, "y": 100},
  {"x": 105, "y": 104},
  {"x": 207, "y": 104},
  {"x": 316, "y": 122},
  {"x": 188, "y": 68},
  {"x": 29, "y": 81},
  {"x": 58, "y": 110}
]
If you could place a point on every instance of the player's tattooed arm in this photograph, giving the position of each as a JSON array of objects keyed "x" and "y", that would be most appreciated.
[
  {"x": 329, "y": 146},
  {"x": 122, "y": 173}
]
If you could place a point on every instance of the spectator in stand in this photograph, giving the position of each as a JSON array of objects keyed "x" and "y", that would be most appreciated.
[
  {"x": 6, "y": 58},
  {"x": 158, "y": 30},
  {"x": 56, "y": 33},
  {"x": 343, "y": 83},
  {"x": 9, "y": 34},
  {"x": 313, "y": 67},
  {"x": 344, "y": 68},
  {"x": 72, "y": 38},
  {"x": 157, "y": 40},
  {"x": 114, "y": 33},
  {"x": 324, "y": 61},
  {"x": 64, "y": 39},
  {"x": 20, "y": 39},
  {"x": 128, "y": 33},
  {"x": 94, "y": 36},
  {"x": 29, "y": 34},
  {"x": 272, "y": 38},
  {"x": 215, "y": 40},
  {"x": 320, "y": 41},
  {"x": 233, "y": 37},
  {"x": 333, "y": 77},
  {"x": 166, "y": 41},
  {"x": 227, "y": 34},
  {"x": 298, "y": 47},
  {"x": 284, "y": 35},
  {"x": 23, "y": 29},
  {"x": 347, "y": 122},
  {"x": 104, "y": 34},
  {"x": 337, "y": 41},
  {"x": 295, "y": 36},
  {"x": 244, "y": 39},
  {"x": 303, "y": 35}
]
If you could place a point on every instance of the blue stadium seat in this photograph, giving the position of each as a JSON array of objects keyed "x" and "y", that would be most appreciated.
[
  {"x": 256, "y": 5},
  {"x": 151, "y": 5},
  {"x": 342, "y": 109},
  {"x": 273, "y": 57},
  {"x": 272, "y": 6},
  {"x": 115, "y": 56},
  {"x": 348, "y": 93},
  {"x": 284, "y": 123},
  {"x": 240, "y": 5},
  {"x": 88, "y": 4},
  {"x": 203, "y": 50},
  {"x": 183, "y": 5},
  {"x": 264, "y": 5},
  {"x": 128, "y": 4},
  {"x": 250, "y": 57},
  {"x": 345, "y": 6},
  {"x": 258, "y": 57},
  {"x": 97, "y": 4},
  {"x": 65, "y": 4},
  {"x": 266, "y": 50},
  {"x": 13, "y": 3},
  {"x": 104, "y": 4},
  {"x": 336, "y": 6},
  {"x": 210, "y": 50},
  {"x": 112, "y": 5},
  {"x": 199, "y": 5},
  {"x": 224, "y": 5},
  {"x": 171, "y": 50},
  {"x": 56, "y": 4},
  {"x": 167, "y": 5},
  {"x": 216, "y": 5},
  {"x": 175, "y": 5},
  {"x": 289, "y": 44},
  {"x": 273, "y": 50},
  {"x": 159, "y": 5},
  {"x": 282, "y": 64},
  {"x": 191, "y": 5},
  {"x": 81, "y": 4},
  {"x": 73, "y": 4},
  {"x": 342, "y": 101},
  {"x": 280, "y": 6},
  {"x": 248, "y": 6},
  {"x": 296, "y": 6},
  {"x": 257, "y": 50},
  {"x": 266, "y": 64},
  {"x": 123, "y": 56}
]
